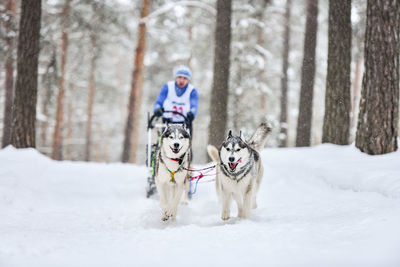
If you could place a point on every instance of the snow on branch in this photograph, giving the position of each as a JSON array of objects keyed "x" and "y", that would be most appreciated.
[
  {"x": 263, "y": 51},
  {"x": 165, "y": 8}
]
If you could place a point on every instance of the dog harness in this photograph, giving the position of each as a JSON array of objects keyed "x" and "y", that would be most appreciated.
[{"x": 172, "y": 173}]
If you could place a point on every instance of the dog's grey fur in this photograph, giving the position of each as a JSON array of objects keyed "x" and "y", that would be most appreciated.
[
  {"x": 173, "y": 156},
  {"x": 240, "y": 170}
]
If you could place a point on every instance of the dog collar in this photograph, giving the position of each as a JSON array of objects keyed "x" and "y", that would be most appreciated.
[{"x": 179, "y": 160}]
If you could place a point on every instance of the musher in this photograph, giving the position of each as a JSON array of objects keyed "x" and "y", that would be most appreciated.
[{"x": 180, "y": 96}]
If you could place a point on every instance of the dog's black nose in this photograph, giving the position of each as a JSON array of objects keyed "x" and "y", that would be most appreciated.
[
  {"x": 231, "y": 159},
  {"x": 176, "y": 145}
]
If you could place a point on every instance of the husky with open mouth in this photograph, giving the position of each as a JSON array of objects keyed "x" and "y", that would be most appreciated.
[
  {"x": 240, "y": 170},
  {"x": 171, "y": 168}
]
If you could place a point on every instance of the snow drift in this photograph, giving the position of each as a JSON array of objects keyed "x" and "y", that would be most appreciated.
[{"x": 322, "y": 206}]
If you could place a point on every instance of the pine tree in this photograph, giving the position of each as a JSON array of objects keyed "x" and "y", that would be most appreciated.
[
  {"x": 49, "y": 80},
  {"x": 58, "y": 136},
  {"x": 11, "y": 10},
  {"x": 220, "y": 89},
  {"x": 91, "y": 98},
  {"x": 378, "y": 119},
  {"x": 24, "y": 105},
  {"x": 284, "y": 79},
  {"x": 303, "y": 137},
  {"x": 337, "y": 97},
  {"x": 131, "y": 128}
]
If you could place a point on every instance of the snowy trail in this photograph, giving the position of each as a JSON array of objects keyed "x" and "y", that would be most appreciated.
[{"x": 322, "y": 206}]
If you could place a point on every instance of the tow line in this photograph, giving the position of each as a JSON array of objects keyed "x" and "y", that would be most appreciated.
[{"x": 202, "y": 173}]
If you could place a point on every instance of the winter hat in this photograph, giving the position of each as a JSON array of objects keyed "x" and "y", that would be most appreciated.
[{"x": 183, "y": 71}]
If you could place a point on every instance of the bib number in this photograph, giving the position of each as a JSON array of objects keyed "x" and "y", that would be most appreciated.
[{"x": 178, "y": 109}]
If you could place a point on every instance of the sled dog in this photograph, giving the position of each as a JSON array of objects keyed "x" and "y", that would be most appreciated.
[
  {"x": 240, "y": 170},
  {"x": 171, "y": 165}
]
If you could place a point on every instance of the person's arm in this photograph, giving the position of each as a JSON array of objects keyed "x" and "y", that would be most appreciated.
[
  {"x": 161, "y": 97},
  {"x": 194, "y": 101}
]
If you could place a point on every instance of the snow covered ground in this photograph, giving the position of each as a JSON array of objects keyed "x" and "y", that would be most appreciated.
[{"x": 321, "y": 206}]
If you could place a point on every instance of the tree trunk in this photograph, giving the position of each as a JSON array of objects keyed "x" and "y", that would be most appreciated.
[
  {"x": 132, "y": 125},
  {"x": 284, "y": 79},
  {"x": 69, "y": 125},
  {"x": 91, "y": 99},
  {"x": 337, "y": 97},
  {"x": 220, "y": 90},
  {"x": 24, "y": 105},
  {"x": 303, "y": 137},
  {"x": 379, "y": 105},
  {"x": 50, "y": 78},
  {"x": 11, "y": 10},
  {"x": 57, "y": 136}
]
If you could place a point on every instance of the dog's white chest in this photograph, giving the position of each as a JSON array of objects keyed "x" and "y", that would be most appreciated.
[{"x": 235, "y": 186}]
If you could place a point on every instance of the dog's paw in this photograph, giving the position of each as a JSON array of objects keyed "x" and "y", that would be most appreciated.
[
  {"x": 165, "y": 218},
  {"x": 225, "y": 215},
  {"x": 171, "y": 213}
]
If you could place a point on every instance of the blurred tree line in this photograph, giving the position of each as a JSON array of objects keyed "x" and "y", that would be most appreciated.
[{"x": 79, "y": 76}]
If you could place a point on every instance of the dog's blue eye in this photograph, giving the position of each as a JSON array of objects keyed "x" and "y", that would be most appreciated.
[{"x": 170, "y": 137}]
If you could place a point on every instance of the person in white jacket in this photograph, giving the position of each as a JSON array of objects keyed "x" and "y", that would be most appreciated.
[{"x": 178, "y": 95}]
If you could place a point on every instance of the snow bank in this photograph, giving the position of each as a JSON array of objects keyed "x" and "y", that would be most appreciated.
[
  {"x": 345, "y": 167},
  {"x": 321, "y": 206}
]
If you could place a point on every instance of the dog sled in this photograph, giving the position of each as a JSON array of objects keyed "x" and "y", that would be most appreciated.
[{"x": 156, "y": 126}]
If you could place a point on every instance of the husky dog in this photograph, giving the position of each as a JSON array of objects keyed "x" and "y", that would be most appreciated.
[
  {"x": 240, "y": 170},
  {"x": 171, "y": 168}
]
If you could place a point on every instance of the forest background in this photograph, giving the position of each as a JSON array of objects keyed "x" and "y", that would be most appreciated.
[{"x": 89, "y": 68}]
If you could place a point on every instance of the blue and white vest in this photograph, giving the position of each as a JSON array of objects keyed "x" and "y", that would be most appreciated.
[{"x": 177, "y": 103}]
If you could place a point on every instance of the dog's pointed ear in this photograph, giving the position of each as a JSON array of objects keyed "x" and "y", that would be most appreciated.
[
  {"x": 241, "y": 135},
  {"x": 165, "y": 130},
  {"x": 187, "y": 130},
  {"x": 229, "y": 134}
]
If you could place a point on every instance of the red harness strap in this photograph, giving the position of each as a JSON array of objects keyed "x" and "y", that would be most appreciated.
[{"x": 201, "y": 175}]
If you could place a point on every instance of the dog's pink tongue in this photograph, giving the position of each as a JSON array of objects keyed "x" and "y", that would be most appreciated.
[{"x": 233, "y": 165}]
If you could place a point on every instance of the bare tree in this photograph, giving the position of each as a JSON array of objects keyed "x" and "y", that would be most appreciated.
[
  {"x": 24, "y": 105},
  {"x": 131, "y": 128},
  {"x": 219, "y": 94},
  {"x": 303, "y": 137},
  {"x": 284, "y": 79},
  {"x": 91, "y": 97},
  {"x": 378, "y": 119},
  {"x": 9, "y": 25},
  {"x": 49, "y": 79},
  {"x": 69, "y": 110},
  {"x": 337, "y": 97},
  {"x": 57, "y": 136}
]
